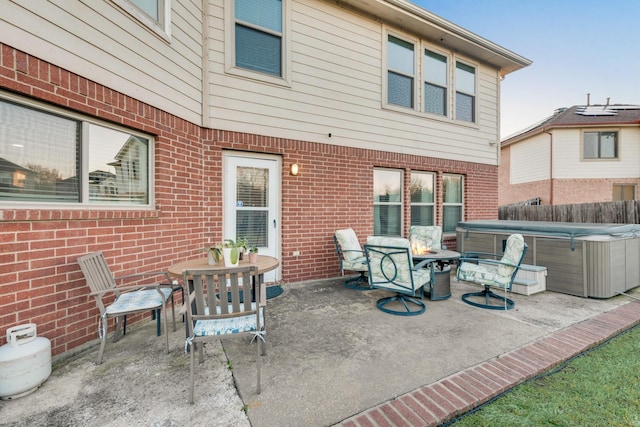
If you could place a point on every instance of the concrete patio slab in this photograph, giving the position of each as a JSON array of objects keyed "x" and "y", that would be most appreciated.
[{"x": 332, "y": 359}]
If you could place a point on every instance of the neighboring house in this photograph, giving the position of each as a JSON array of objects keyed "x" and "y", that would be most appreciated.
[
  {"x": 389, "y": 112},
  {"x": 582, "y": 154}
]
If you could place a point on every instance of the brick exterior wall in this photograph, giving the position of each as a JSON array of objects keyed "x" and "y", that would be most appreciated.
[{"x": 40, "y": 281}]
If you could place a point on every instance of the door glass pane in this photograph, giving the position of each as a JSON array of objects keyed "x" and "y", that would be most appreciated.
[
  {"x": 252, "y": 205},
  {"x": 39, "y": 155}
]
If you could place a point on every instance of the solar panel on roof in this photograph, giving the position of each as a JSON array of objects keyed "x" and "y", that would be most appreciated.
[{"x": 604, "y": 110}]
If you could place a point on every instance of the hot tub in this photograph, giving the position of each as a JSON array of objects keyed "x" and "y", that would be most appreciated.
[{"x": 587, "y": 260}]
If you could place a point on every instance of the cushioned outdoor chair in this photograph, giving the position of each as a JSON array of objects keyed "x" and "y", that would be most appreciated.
[
  {"x": 128, "y": 299},
  {"x": 425, "y": 237},
  {"x": 351, "y": 258},
  {"x": 391, "y": 268},
  {"x": 216, "y": 315},
  {"x": 492, "y": 271}
]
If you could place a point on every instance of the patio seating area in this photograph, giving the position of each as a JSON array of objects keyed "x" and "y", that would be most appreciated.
[{"x": 332, "y": 359}]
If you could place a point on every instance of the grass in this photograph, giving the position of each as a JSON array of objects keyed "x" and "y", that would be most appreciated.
[{"x": 600, "y": 388}]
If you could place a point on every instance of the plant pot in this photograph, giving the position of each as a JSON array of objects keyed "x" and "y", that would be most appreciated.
[
  {"x": 230, "y": 255},
  {"x": 253, "y": 257},
  {"x": 213, "y": 256}
]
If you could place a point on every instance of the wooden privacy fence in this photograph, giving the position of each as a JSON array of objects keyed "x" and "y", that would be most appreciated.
[{"x": 625, "y": 212}]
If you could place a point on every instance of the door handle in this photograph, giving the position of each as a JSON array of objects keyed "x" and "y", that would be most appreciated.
[{"x": 275, "y": 224}]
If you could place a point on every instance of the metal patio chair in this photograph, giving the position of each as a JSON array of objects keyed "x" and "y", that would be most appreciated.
[
  {"x": 351, "y": 258},
  {"x": 391, "y": 268},
  {"x": 216, "y": 313},
  {"x": 492, "y": 271},
  {"x": 128, "y": 299}
]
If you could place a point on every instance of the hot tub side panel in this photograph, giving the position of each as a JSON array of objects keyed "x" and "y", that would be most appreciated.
[{"x": 612, "y": 266}]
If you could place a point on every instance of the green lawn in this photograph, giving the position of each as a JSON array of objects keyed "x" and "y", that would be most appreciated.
[{"x": 600, "y": 388}]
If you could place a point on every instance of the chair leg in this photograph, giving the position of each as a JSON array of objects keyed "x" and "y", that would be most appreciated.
[
  {"x": 103, "y": 341},
  {"x": 193, "y": 361},
  {"x": 259, "y": 362},
  {"x": 406, "y": 303},
  {"x": 360, "y": 283},
  {"x": 166, "y": 320},
  {"x": 488, "y": 295}
]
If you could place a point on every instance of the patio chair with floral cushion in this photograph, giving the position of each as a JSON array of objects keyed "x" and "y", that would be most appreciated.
[
  {"x": 391, "y": 268},
  {"x": 425, "y": 237},
  {"x": 215, "y": 315},
  {"x": 492, "y": 271},
  {"x": 128, "y": 299},
  {"x": 351, "y": 258}
]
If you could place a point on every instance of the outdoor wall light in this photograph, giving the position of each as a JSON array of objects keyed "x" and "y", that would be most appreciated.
[{"x": 294, "y": 169}]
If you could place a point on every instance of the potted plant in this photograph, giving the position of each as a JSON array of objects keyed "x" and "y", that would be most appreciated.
[
  {"x": 214, "y": 253},
  {"x": 253, "y": 254},
  {"x": 231, "y": 252},
  {"x": 243, "y": 246}
]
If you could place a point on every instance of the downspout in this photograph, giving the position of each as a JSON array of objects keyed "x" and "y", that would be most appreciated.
[{"x": 550, "y": 166}]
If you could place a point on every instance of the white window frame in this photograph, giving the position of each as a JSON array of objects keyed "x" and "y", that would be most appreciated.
[
  {"x": 399, "y": 203},
  {"x": 456, "y": 90},
  {"x": 448, "y": 87},
  {"x": 85, "y": 121},
  {"x": 161, "y": 27},
  {"x": 416, "y": 75},
  {"x": 431, "y": 204},
  {"x": 445, "y": 204},
  {"x": 230, "y": 47}
]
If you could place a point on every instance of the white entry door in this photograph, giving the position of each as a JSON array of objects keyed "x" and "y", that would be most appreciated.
[{"x": 251, "y": 203}]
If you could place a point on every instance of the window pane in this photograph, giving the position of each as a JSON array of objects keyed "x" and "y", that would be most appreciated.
[
  {"x": 387, "y": 220},
  {"x": 435, "y": 68},
  {"x": 465, "y": 79},
  {"x": 263, "y": 13},
  {"x": 400, "y": 54},
  {"x": 435, "y": 99},
  {"x": 608, "y": 145},
  {"x": 387, "y": 186},
  {"x": 150, "y": 7},
  {"x": 452, "y": 189},
  {"x": 118, "y": 167},
  {"x": 451, "y": 215},
  {"x": 590, "y": 150},
  {"x": 258, "y": 51},
  {"x": 628, "y": 192},
  {"x": 400, "y": 90},
  {"x": 421, "y": 188},
  {"x": 464, "y": 107},
  {"x": 39, "y": 155},
  {"x": 422, "y": 215}
]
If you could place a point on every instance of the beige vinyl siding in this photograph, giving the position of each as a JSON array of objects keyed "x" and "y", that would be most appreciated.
[
  {"x": 100, "y": 41},
  {"x": 568, "y": 161},
  {"x": 336, "y": 77},
  {"x": 530, "y": 160}
]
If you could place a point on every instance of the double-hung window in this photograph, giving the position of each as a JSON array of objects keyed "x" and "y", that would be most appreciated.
[
  {"x": 600, "y": 145},
  {"x": 259, "y": 36},
  {"x": 624, "y": 192},
  {"x": 400, "y": 72},
  {"x": 387, "y": 202},
  {"x": 465, "y": 92},
  {"x": 435, "y": 83},
  {"x": 48, "y": 156},
  {"x": 452, "y": 201},
  {"x": 422, "y": 198}
]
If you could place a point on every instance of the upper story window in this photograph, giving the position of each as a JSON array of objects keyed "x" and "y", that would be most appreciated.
[
  {"x": 452, "y": 201},
  {"x": 49, "y": 156},
  {"x": 465, "y": 92},
  {"x": 387, "y": 202},
  {"x": 400, "y": 72},
  {"x": 155, "y": 14},
  {"x": 600, "y": 145},
  {"x": 259, "y": 36},
  {"x": 435, "y": 83},
  {"x": 422, "y": 198}
]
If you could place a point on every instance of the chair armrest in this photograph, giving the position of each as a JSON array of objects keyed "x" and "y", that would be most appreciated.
[
  {"x": 128, "y": 288},
  {"x": 489, "y": 261},
  {"x": 149, "y": 274}
]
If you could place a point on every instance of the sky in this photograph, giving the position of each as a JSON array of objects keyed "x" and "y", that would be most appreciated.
[{"x": 576, "y": 46}]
